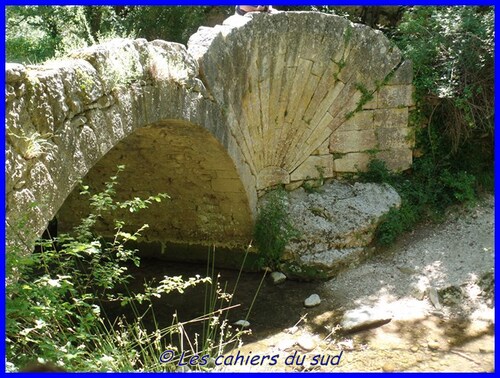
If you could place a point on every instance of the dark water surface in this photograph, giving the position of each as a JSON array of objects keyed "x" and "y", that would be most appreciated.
[{"x": 275, "y": 308}]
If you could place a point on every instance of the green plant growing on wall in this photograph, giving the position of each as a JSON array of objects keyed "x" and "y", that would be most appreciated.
[
  {"x": 366, "y": 96},
  {"x": 84, "y": 79},
  {"x": 314, "y": 185},
  {"x": 377, "y": 172},
  {"x": 347, "y": 35},
  {"x": 33, "y": 145},
  {"x": 273, "y": 229},
  {"x": 309, "y": 187}
]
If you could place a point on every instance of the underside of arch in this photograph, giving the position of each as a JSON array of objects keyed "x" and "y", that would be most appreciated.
[{"x": 207, "y": 205}]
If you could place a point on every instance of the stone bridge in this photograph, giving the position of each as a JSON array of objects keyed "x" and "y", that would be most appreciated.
[{"x": 255, "y": 102}]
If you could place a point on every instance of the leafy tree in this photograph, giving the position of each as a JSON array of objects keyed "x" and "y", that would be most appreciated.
[
  {"x": 36, "y": 33},
  {"x": 174, "y": 24},
  {"x": 452, "y": 52}
]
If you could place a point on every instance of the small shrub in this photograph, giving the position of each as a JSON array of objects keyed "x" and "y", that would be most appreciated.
[
  {"x": 452, "y": 49},
  {"x": 425, "y": 193},
  {"x": 273, "y": 230},
  {"x": 460, "y": 184},
  {"x": 377, "y": 172}
]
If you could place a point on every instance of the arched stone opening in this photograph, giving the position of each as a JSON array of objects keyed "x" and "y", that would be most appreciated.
[
  {"x": 208, "y": 205},
  {"x": 78, "y": 109}
]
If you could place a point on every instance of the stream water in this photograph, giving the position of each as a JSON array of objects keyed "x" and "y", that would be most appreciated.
[
  {"x": 398, "y": 346},
  {"x": 274, "y": 308}
]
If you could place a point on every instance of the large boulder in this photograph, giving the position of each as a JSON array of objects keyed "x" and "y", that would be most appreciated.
[{"x": 335, "y": 225}]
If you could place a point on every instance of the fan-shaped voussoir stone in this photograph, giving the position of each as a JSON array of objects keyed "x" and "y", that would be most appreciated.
[
  {"x": 271, "y": 176},
  {"x": 290, "y": 80}
]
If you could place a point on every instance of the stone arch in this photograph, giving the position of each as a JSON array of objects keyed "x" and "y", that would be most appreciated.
[
  {"x": 207, "y": 205},
  {"x": 289, "y": 97},
  {"x": 64, "y": 116}
]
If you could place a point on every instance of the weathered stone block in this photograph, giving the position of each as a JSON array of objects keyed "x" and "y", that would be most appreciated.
[
  {"x": 336, "y": 225},
  {"x": 271, "y": 176},
  {"x": 403, "y": 75},
  {"x": 314, "y": 167},
  {"x": 227, "y": 174},
  {"x": 323, "y": 149},
  {"x": 396, "y": 159},
  {"x": 14, "y": 72},
  {"x": 294, "y": 185},
  {"x": 353, "y": 141},
  {"x": 359, "y": 121},
  {"x": 394, "y": 96},
  {"x": 352, "y": 162},
  {"x": 15, "y": 168},
  {"x": 394, "y": 138},
  {"x": 87, "y": 143},
  {"x": 391, "y": 118}
]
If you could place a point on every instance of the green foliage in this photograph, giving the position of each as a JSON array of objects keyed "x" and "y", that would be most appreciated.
[
  {"x": 452, "y": 52},
  {"x": 425, "y": 194},
  {"x": 366, "y": 96},
  {"x": 56, "y": 301},
  {"x": 37, "y": 33},
  {"x": 314, "y": 185},
  {"x": 273, "y": 229},
  {"x": 174, "y": 23},
  {"x": 303, "y": 272},
  {"x": 376, "y": 172},
  {"x": 311, "y": 186}
]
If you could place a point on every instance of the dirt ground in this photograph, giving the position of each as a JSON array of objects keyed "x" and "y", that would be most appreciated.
[{"x": 455, "y": 257}]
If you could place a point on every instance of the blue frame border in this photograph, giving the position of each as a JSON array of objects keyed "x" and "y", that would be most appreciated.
[{"x": 276, "y": 3}]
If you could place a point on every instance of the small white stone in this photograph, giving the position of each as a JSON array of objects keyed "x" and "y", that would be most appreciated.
[
  {"x": 365, "y": 318},
  {"x": 278, "y": 277},
  {"x": 306, "y": 342},
  {"x": 285, "y": 344},
  {"x": 292, "y": 330},
  {"x": 242, "y": 323},
  {"x": 312, "y": 300},
  {"x": 433, "y": 345}
]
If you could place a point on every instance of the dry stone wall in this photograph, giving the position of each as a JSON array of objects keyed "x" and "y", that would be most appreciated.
[{"x": 255, "y": 102}]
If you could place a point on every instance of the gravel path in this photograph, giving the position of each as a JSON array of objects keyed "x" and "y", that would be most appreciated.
[
  {"x": 454, "y": 258},
  {"x": 456, "y": 253}
]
